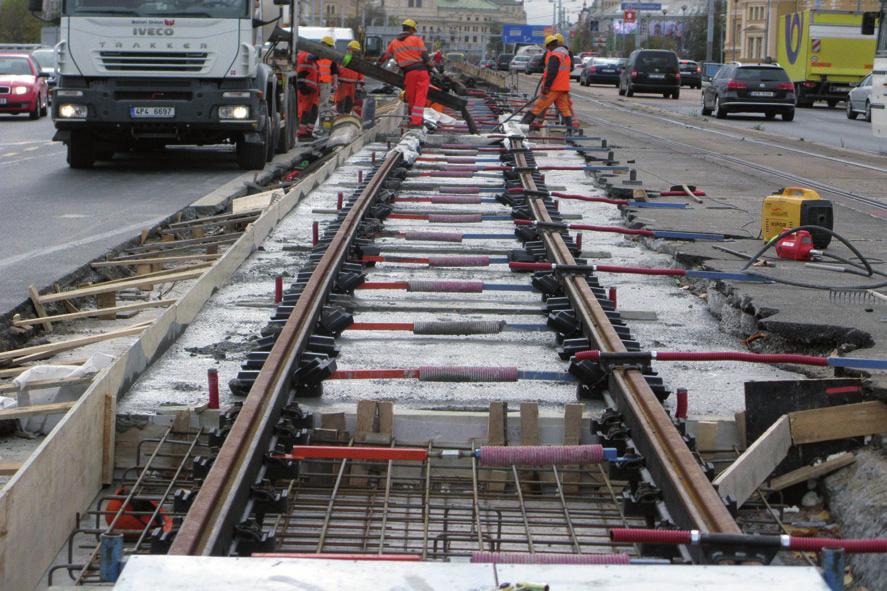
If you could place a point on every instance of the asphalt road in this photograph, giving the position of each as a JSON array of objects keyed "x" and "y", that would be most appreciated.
[
  {"x": 56, "y": 219},
  {"x": 820, "y": 125}
]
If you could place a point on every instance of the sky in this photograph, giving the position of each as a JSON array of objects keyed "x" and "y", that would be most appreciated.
[{"x": 540, "y": 12}]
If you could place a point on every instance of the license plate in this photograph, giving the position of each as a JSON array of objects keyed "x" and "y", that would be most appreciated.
[
  {"x": 657, "y": 76},
  {"x": 760, "y": 93},
  {"x": 2, "y": 101},
  {"x": 152, "y": 112},
  {"x": 606, "y": 71}
]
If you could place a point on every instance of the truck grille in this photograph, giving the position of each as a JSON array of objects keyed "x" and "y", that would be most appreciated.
[{"x": 151, "y": 61}]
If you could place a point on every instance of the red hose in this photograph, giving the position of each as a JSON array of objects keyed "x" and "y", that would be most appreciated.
[
  {"x": 653, "y": 536},
  {"x": 876, "y": 545},
  {"x": 521, "y": 266}
]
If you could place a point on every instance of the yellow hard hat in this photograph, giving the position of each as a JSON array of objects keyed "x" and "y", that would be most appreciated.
[
  {"x": 550, "y": 39},
  {"x": 354, "y": 45},
  {"x": 328, "y": 41},
  {"x": 560, "y": 38},
  {"x": 409, "y": 23}
]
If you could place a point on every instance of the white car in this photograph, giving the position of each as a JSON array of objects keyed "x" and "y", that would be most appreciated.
[
  {"x": 519, "y": 63},
  {"x": 858, "y": 102}
]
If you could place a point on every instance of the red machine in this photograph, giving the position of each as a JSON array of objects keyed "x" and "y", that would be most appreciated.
[{"x": 796, "y": 247}]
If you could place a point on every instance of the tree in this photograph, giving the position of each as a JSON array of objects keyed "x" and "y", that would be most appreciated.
[{"x": 16, "y": 23}]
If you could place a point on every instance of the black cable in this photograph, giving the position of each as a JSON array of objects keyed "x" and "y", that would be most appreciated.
[{"x": 772, "y": 242}]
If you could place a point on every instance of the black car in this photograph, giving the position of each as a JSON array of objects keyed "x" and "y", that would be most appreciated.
[
  {"x": 602, "y": 70},
  {"x": 536, "y": 64},
  {"x": 691, "y": 74},
  {"x": 758, "y": 88},
  {"x": 503, "y": 60},
  {"x": 653, "y": 71}
]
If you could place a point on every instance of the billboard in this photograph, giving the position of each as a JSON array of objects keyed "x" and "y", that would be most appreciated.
[{"x": 525, "y": 33}]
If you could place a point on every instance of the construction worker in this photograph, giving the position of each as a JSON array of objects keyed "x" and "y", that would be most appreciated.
[
  {"x": 409, "y": 51},
  {"x": 307, "y": 82},
  {"x": 351, "y": 85},
  {"x": 555, "y": 85},
  {"x": 562, "y": 42},
  {"x": 327, "y": 74}
]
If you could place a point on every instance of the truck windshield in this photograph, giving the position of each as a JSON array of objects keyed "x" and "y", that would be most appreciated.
[{"x": 159, "y": 8}]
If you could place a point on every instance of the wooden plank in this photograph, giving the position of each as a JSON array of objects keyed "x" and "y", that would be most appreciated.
[
  {"x": 497, "y": 433},
  {"x": 740, "y": 480},
  {"x": 7, "y": 389},
  {"x": 153, "y": 260},
  {"x": 706, "y": 435},
  {"x": 23, "y": 412},
  {"x": 38, "y": 307},
  {"x": 364, "y": 426},
  {"x": 165, "y": 244},
  {"x": 810, "y": 472},
  {"x": 17, "y": 320},
  {"x": 22, "y": 355},
  {"x": 739, "y": 418},
  {"x": 385, "y": 411},
  {"x": 104, "y": 301},
  {"x": 838, "y": 422},
  {"x": 9, "y": 468},
  {"x": 116, "y": 286},
  {"x": 529, "y": 435},
  {"x": 109, "y": 432},
  {"x": 221, "y": 218},
  {"x": 572, "y": 436},
  {"x": 255, "y": 202},
  {"x": 159, "y": 272},
  {"x": 333, "y": 420},
  {"x": 14, "y": 371}
]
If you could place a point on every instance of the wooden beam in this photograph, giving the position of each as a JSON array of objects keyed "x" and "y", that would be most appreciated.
[
  {"x": 57, "y": 347},
  {"x": 838, "y": 422},
  {"x": 116, "y": 286},
  {"x": 806, "y": 473},
  {"x": 222, "y": 218},
  {"x": 9, "y": 468},
  {"x": 529, "y": 435},
  {"x": 23, "y": 412},
  {"x": 497, "y": 434},
  {"x": 740, "y": 480},
  {"x": 17, "y": 320},
  {"x": 14, "y": 371},
  {"x": 38, "y": 307},
  {"x": 153, "y": 260},
  {"x": 572, "y": 436},
  {"x": 41, "y": 384}
]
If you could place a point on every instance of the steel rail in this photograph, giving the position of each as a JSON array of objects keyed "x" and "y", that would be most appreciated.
[
  {"x": 688, "y": 494},
  {"x": 208, "y": 526}
]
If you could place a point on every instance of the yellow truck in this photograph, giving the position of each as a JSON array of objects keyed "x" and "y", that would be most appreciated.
[{"x": 825, "y": 53}]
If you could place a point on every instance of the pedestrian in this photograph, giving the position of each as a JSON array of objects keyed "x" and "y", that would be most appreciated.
[
  {"x": 307, "y": 83},
  {"x": 409, "y": 51},
  {"x": 555, "y": 85},
  {"x": 351, "y": 85}
]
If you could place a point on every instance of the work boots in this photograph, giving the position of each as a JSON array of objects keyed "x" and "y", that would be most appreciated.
[
  {"x": 528, "y": 117},
  {"x": 568, "y": 123}
]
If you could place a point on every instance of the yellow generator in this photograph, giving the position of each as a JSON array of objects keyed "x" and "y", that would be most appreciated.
[{"x": 797, "y": 206}]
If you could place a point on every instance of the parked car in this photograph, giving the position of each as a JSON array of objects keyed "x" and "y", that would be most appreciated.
[
  {"x": 858, "y": 100},
  {"x": 753, "y": 88},
  {"x": 691, "y": 74},
  {"x": 503, "y": 61},
  {"x": 489, "y": 64},
  {"x": 536, "y": 65},
  {"x": 519, "y": 63},
  {"x": 23, "y": 87},
  {"x": 602, "y": 70},
  {"x": 578, "y": 65},
  {"x": 651, "y": 71}
]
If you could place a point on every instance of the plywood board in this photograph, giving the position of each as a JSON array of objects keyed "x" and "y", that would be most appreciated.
[
  {"x": 838, "y": 422},
  {"x": 811, "y": 472},
  {"x": 740, "y": 480}
]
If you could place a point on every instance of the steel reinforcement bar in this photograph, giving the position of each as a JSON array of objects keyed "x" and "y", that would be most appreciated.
[
  {"x": 220, "y": 504},
  {"x": 689, "y": 496}
]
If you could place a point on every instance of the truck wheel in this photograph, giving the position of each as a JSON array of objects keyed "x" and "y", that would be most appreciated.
[
  {"x": 81, "y": 150},
  {"x": 252, "y": 156},
  {"x": 287, "y": 136},
  {"x": 273, "y": 123},
  {"x": 832, "y": 103}
]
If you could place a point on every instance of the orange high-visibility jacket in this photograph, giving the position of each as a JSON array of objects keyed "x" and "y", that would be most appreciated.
[{"x": 408, "y": 51}]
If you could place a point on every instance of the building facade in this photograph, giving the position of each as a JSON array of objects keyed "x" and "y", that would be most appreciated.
[{"x": 751, "y": 28}]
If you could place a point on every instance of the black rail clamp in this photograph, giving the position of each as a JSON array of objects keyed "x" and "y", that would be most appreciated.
[
  {"x": 610, "y": 430},
  {"x": 182, "y": 500},
  {"x": 629, "y": 469},
  {"x": 250, "y": 538},
  {"x": 266, "y": 499},
  {"x": 279, "y": 468},
  {"x": 642, "y": 502},
  {"x": 200, "y": 466}
]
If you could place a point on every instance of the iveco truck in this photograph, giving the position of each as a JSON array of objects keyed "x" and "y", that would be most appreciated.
[{"x": 138, "y": 74}]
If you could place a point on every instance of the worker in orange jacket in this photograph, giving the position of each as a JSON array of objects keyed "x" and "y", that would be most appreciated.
[
  {"x": 351, "y": 86},
  {"x": 308, "y": 84},
  {"x": 409, "y": 51},
  {"x": 555, "y": 84},
  {"x": 328, "y": 73}
]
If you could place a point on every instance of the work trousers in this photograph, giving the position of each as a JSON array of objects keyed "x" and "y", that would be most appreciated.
[
  {"x": 561, "y": 98},
  {"x": 345, "y": 98},
  {"x": 308, "y": 108},
  {"x": 416, "y": 83}
]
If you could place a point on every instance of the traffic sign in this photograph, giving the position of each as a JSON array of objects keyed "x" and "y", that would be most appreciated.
[
  {"x": 523, "y": 33},
  {"x": 641, "y": 6},
  {"x": 630, "y": 16}
]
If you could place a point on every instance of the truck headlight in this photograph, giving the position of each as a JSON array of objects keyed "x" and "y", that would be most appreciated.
[
  {"x": 239, "y": 112},
  {"x": 20, "y": 90},
  {"x": 69, "y": 111}
]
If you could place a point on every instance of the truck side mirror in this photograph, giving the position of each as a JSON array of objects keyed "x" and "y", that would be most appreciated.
[
  {"x": 280, "y": 35},
  {"x": 35, "y": 5},
  {"x": 868, "y": 22}
]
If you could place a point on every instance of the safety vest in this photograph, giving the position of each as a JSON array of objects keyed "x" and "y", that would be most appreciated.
[
  {"x": 407, "y": 52},
  {"x": 562, "y": 80},
  {"x": 304, "y": 65},
  {"x": 326, "y": 71},
  {"x": 349, "y": 76}
]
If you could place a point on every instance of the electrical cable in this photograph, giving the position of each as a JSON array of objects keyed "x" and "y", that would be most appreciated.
[{"x": 772, "y": 242}]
